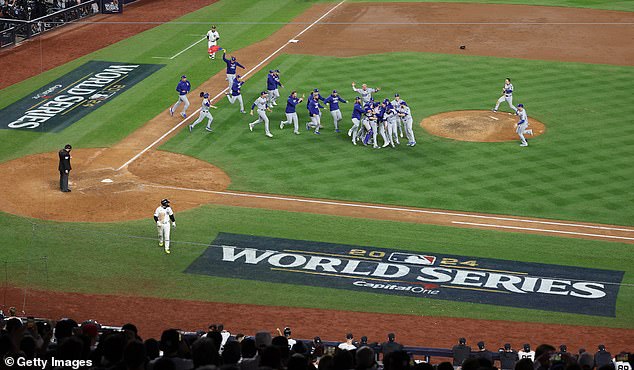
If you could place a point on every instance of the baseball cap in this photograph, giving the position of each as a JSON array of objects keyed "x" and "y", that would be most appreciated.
[
  {"x": 358, "y": 97},
  {"x": 271, "y": 71},
  {"x": 233, "y": 58},
  {"x": 334, "y": 91},
  {"x": 183, "y": 76},
  {"x": 563, "y": 348},
  {"x": 349, "y": 336},
  {"x": 206, "y": 95},
  {"x": 462, "y": 341},
  {"x": 507, "y": 346},
  {"x": 527, "y": 347},
  {"x": 601, "y": 347},
  {"x": 386, "y": 101},
  {"x": 395, "y": 95},
  {"x": 277, "y": 71},
  {"x": 364, "y": 339},
  {"x": 391, "y": 336},
  {"x": 68, "y": 146},
  {"x": 481, "y": 344},
  {"x": 317, "y": 340},
  {"x": 316, "y": 90},
  {"x": 403, "y": 103},
  {"x": 263, "y": 93},
  {"x": 521, "y": 105},
  {"x": 287, "y": 331},
  {"x": 238, "y": 76}
]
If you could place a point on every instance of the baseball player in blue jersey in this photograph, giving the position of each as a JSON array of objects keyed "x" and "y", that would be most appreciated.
[
  {"x": 232, "y": 64},
  {"x": 406, "y": 116},
  {"x": 262, "y": 105},
  {"x": 236, "y": 92},
  {"x": 396, "y": 103},
  {"x": 291, "y": 112},
  {"x": 507, "y": 94},
  {"x": 314, "y": 93},
  {"x": 314, "y": 113},
  {"x": 522, "y": 125},
  {"x": 333, "y": 102},
  {"x": 357, "y": 113},
  {"x": 183, "y": 88},
  {"x": 272, "y": 84},
  {"x": 204, "y": 112}
]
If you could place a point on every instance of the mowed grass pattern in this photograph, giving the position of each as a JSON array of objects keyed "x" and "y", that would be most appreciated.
[
  {"x": 579, "y": 169},
  {"x": 623, "y": 5}
]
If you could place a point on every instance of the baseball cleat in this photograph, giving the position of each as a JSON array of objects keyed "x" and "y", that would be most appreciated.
[
  {"x": 530, "y": 132},
  {"x": 386, "y": 144},
  {"x": 350, "y": 132},
  {"x": 393, "y": 146},
  {"x": 494, "y": 110},
  {"x": 307, "y": 127},
  {"x": 296, "y": 132},
  {"x": 251, "y": 126},
  {"x": 160, "y": 244},
  {"x": 375, "y": 146},
  {"x": 337, "y": 131},
  {"x": 213, "y": 57},
  {"x": 354, "y": 143},
  {"x": 281, "y": 125},
  {"x": 190, "y": 128},
  {"x": 167, "y": 251},
  {"x": 268, "y": 134},
  {"x": 209, "y": 129},
  {"x": 171, "y": 112},
  {"x": 184, "y": 115},
  {"x": 317, "y": 133},
  {"x": 524, "y": 144},
  {"x": 413, "y": 144},
  {"x": 243, "y": 112}
]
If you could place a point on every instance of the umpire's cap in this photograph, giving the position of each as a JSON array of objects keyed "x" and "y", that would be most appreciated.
[{"x": 68, "y": 146}]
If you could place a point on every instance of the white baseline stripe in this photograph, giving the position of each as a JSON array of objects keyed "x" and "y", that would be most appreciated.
[
  {"x": 389, "y": 208},
  {"x": 542, "y": 230},
  {"x": 223, "y": 91},
  {"x": 189, "y": 47}
]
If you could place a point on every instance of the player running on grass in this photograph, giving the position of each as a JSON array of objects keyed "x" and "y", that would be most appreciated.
[
  {"x": 232, "y": 64},
  {"x": 261, "y": 104},
  {"x": 236, "y": 93},
  {"x": 522, "y": 125},
  {"x": 272, "y": 84},
  {"x": 183, "y": 88},
  {"x": 333, "y": 102},
  {"x": 204, "y": 113},
  {"x": 291, "y": 112},
  {"x": 507, "y": 94}
]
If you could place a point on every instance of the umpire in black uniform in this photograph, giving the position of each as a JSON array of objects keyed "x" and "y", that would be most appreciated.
[{"x": 64, "y": 168}]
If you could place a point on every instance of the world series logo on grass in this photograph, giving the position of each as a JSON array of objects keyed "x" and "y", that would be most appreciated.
[{"x": 422, "y": 275}]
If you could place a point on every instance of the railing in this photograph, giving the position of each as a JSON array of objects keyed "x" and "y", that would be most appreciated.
[{"x": 7, "y": 37}]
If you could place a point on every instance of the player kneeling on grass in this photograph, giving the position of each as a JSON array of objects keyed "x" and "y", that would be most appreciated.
[
  {"x": 163, "y": 215},
  {"x": 522, "y": 125},
  {"x": 236, "y": 92},
  {"x": 291, "y": 112},
  {"x": 262, "y": 105},
  {"x": 204, "y": 113}
]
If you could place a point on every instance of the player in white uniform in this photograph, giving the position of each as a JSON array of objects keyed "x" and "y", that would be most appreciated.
[
  {"x": 522, "y": 125},
  {"x": 204, "y": 113},
  {"x": 370, "y": 123},
  {"x": 163, "y": 215},
  {"x": 396, "y": 103},
  {"x": 406, "y": 116},
  {"x": 526, "y": 353},
  {"x": 507, "y": 94},
  {"x": 262, "y": 107},
  {"x": 212, "y": 40},
  {"x": 365, "y": 92}
]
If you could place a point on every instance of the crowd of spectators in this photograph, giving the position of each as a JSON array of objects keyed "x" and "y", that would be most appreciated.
[
  {"x": 90, "y": 345},
  {"x": 32, "y": 9}
]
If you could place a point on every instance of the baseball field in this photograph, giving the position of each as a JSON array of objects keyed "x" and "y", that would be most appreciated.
[{"x": 465, "y": 234}]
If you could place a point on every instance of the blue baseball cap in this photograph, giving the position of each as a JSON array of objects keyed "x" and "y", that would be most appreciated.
[
  {"x": 277, "y": 71},
  {"x": 233, "y": 58},
  {"x": 316, "y": 90},
  {"x": 395, "y": 95},
  {"x": 183, "y": 76},
  {"x": 271, "y": 71},
  {"x": 206, "y": 95},
  {"x": 263, "y": 93},
  {"x": 521, "y": 105},
  {"x": 238, "y": 76},
  {"x": 403, "y": 103},
  {"x": 358, "y": 97},
  {"x": 334, "y": 91}
]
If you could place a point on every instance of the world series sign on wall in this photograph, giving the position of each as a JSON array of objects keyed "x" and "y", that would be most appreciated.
[
  {"x": 422, "y": 275},
  {"x": 74, "y": 95}
]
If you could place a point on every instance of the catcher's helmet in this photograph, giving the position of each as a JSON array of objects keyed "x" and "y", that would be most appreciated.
[{"x": 165, "y": 202}]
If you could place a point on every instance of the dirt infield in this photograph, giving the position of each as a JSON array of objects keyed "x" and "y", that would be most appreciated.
[
  {"x": 478, "y": 126},
  {"x": 436, "y": 331},
  {"x": 73, "y": 41}
]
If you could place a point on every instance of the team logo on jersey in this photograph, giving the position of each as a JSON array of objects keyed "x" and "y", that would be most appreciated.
[{"x": 421, "y": 275}]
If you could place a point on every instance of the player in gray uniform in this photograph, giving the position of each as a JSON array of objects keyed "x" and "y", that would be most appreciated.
[
  {"x": 365, "y": 92},
  {"x": 392, "y": 119},
  {"x": 406, "y": 116},
  {"x": 396, "y": 103},
  {"x": 522, "y": 125},
  {"x": 507, "y": 94},
  {"x": 204, "y": 113},
  {"x": 370, "y": 123},
  {"x": 262, "y": 106}
]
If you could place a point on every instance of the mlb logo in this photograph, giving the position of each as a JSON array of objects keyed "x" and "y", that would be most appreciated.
[{"x": 415, "y": 259}]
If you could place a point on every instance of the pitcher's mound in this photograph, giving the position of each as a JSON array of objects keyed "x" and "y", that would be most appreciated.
[{"x": 478, "y": 125}]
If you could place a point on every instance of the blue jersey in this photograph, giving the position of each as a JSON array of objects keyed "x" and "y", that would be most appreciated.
[
  {"x": 334, "y": 102},
  {"x": 183, "y": 87},
  {"x": 319, "y": 97},
  {"x": 271, "y": 83},
  {"x": 357, "y": 111},
  {"x": 231, "y": 65},
  {"x": 381, "y": 113},
  {"x": 235, "y": 88},
  {"x": 313, "y": 107},
  {"x": 291, "y": 104}
]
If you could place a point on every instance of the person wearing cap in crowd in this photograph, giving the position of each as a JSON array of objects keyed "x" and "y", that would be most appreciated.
[
  {"x": 602, "y": 357},
  {"x": 232, "y": 65},
  {"x": 347, "y": 345},
  {"x": 390, "y": 345},
  {"x": 482, "y": 352},
  {"x": 460, "y": 352},
  {"x": 262, "y": 106},
  {"x": 291, "y": 112},
  {"x": 236, "y": 92},
  {"x": 287, "y": 334},
  {"x": 563, "y": 349},
  {"x": 365, "y": 92},
  {"x": 314, "y": 111},
  {"x": 526, "y": 352},
  {"x": 333, "y": 102},
  {"x": 396, "y": 102},
  {"x": 508, "y": 357},
  {"x": 357, "y": 113},
  {"x": 317, "y": 348},
  {"x": 183, "y": 88},
  {"x": 204, "y": 112},
  {"x": 522, "y": 125},
  {"x": 272, "y": 84},
  {"x": 64, "y": 168}
]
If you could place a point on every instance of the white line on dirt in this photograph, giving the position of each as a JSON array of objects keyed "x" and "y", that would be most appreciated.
[
  {"x": 225, "y": 89},
  {"x": 542, "y": 230},
  {"x": 400, "y": 209},
  {"x": 497, "y": 119}
]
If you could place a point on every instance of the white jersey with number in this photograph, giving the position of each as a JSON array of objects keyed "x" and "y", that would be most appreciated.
[
  {"x": 620, "y": 365},
  {"x": 212, "y": 37},
  {"x": 163, "y": 214},
  {"x": 529, "y": 354}
]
